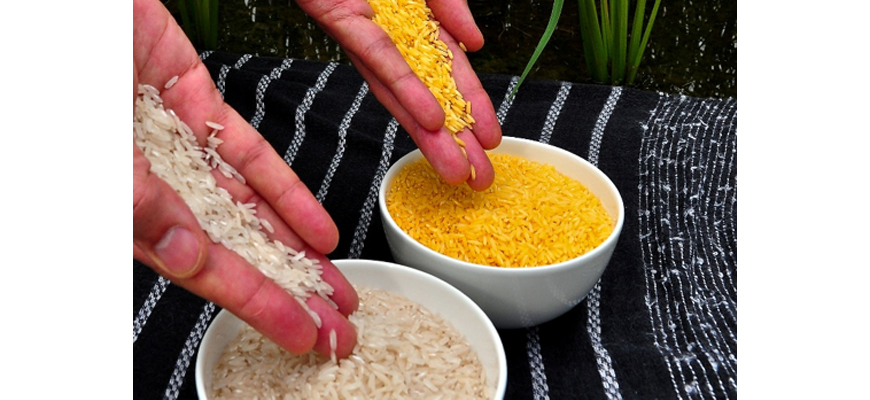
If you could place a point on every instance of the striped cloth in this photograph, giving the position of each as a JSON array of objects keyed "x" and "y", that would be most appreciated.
[{"x": 662, "y": 321}]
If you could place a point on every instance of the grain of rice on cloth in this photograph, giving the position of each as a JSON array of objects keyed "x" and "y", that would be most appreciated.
[
  {"x": 532, "y": 214},
  {"x": 402, "y": 350}
]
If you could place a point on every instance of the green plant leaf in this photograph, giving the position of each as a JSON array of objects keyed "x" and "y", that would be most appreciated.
[
  {"x": 619, "y": 24},
  {"x": 594, "y": 48},
  {"x": 635, "y": 63},
  {"x": 551, "y": 27},
  {"x": 636, "y": 30},
  {"x": 212, "y": 35},
  {"x": 612, "y": 55},
  {"x": 199, "y": 19},
  {"x": 185, "y": 20}
]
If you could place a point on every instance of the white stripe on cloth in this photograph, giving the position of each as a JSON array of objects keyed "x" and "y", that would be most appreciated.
[
  {"x": 593, "y": 300},
  {"x": 222, "y": 75},
  {"x": 262, "y": 85},
  {"x": 507, "y": 101},
  {"x": 359, "y": 234},
  {"x": 188, "y": 352},
  {"x": 601, "y": 123},
  {"x": 205, "y": 54},
  {"x": 685, "y": 164},
  {"x": 553, "y": 114},
  {"x": 146, "y": 309},
  {"x": 540, "y": 389},
  {"x": 342, "y": 141},
  {"x": 303, "y": 108},
  {"x": 700, "y": 232},
  {"x": 724, "y": 121}
]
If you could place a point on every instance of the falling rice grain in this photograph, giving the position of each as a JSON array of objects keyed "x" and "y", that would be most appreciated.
[{"x": 171, "y": 82}]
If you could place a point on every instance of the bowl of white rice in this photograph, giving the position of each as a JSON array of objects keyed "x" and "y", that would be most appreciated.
[{"x": 418, "y": 337}]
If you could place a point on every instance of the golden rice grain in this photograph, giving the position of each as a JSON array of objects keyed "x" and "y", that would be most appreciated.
[
  {"x": 532, "y": 215},
  {"x": 411, "y": 25}
]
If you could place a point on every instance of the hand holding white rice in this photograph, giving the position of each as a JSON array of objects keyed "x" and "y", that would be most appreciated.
[
  {"x": 403, "y": 350},
  {"x": 177, "y": 158}
]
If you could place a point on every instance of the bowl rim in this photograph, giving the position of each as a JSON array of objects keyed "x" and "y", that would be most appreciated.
[
  {"x": 533, "y": 270},
  {"x": 500, "y": 380}
]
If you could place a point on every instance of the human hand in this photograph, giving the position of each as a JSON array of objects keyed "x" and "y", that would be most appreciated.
[
  {"x": 406, "y": 97},
  {"x": 166, "y": 234}
]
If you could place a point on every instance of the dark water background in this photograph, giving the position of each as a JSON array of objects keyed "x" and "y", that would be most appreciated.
[{"x": 692, "y": 50}]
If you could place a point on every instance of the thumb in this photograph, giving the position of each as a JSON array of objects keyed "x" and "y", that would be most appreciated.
[{"x": 166, "y": 234}]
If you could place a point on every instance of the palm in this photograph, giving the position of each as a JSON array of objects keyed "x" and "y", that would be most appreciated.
[
  {"x": 161, "y": 51},
  {"x": 405, "y": 96}
]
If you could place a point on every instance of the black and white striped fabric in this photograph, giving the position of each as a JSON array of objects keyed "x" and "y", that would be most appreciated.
[{"x": 662, "y": 321}]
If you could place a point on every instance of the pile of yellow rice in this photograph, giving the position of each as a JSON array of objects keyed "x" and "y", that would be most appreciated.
[
  {"x": 532, "y": 215},
  {"x": 412, "y": 27}
]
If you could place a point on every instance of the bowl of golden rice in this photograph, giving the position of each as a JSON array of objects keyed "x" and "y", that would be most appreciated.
[
  {"x": 417, "y": 337},
  {"x": 526, "y": 250}
]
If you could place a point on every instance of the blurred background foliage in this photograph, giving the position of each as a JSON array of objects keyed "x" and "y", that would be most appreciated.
[{"x": 692, "y": 49}]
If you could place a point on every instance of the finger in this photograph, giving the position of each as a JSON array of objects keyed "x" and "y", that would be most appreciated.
[
  {"x": 296, "y": 217},
  {"x": 268, "y": 177},
  {"x": 332, "y": 321},
  {"x": 376, "y": 51},
  {"x": 165, "y": 231},
  {"x": 250, "y": 295},
  {"x": 455, "y": 17},
  {"x": 486, "y": 132},
  {"x": 240, "y": 288},
  {"x": 344, "y": 295},
  {"x": 135, "y": 86},
  {"x": 486, "y": 127},
  {"x": 484, "y": 174},
  {"x": 439, "y": 147}
]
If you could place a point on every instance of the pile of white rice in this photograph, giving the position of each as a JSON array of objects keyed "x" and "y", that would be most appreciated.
[
  {"x": 402, "y": 351},
  {"x": 177, "y": 158}
]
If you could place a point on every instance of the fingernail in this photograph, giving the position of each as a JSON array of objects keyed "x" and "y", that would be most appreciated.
[{"x": 178, "y": 251}]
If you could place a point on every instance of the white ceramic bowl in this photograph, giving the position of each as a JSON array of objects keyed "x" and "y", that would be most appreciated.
[
  {"x": 425, "y": 289},
  {"x": 516, "y": 297}
]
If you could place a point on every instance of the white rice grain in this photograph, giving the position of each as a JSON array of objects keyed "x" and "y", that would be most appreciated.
[
  {"x": 383, "y": 365},
  {"x": 436, "y": 363},
  {"x": 171, "y": 82},
  {"x": 177, "y": 157},
  {"x": 214, "y": 125}
]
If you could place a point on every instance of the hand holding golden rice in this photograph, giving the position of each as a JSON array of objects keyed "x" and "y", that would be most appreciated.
[{"x": 414, "y": 30}]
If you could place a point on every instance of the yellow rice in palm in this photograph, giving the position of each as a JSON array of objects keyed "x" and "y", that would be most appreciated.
[
  {"x": 532, "y": 215},
  {"x": 411, "y": 25}
]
